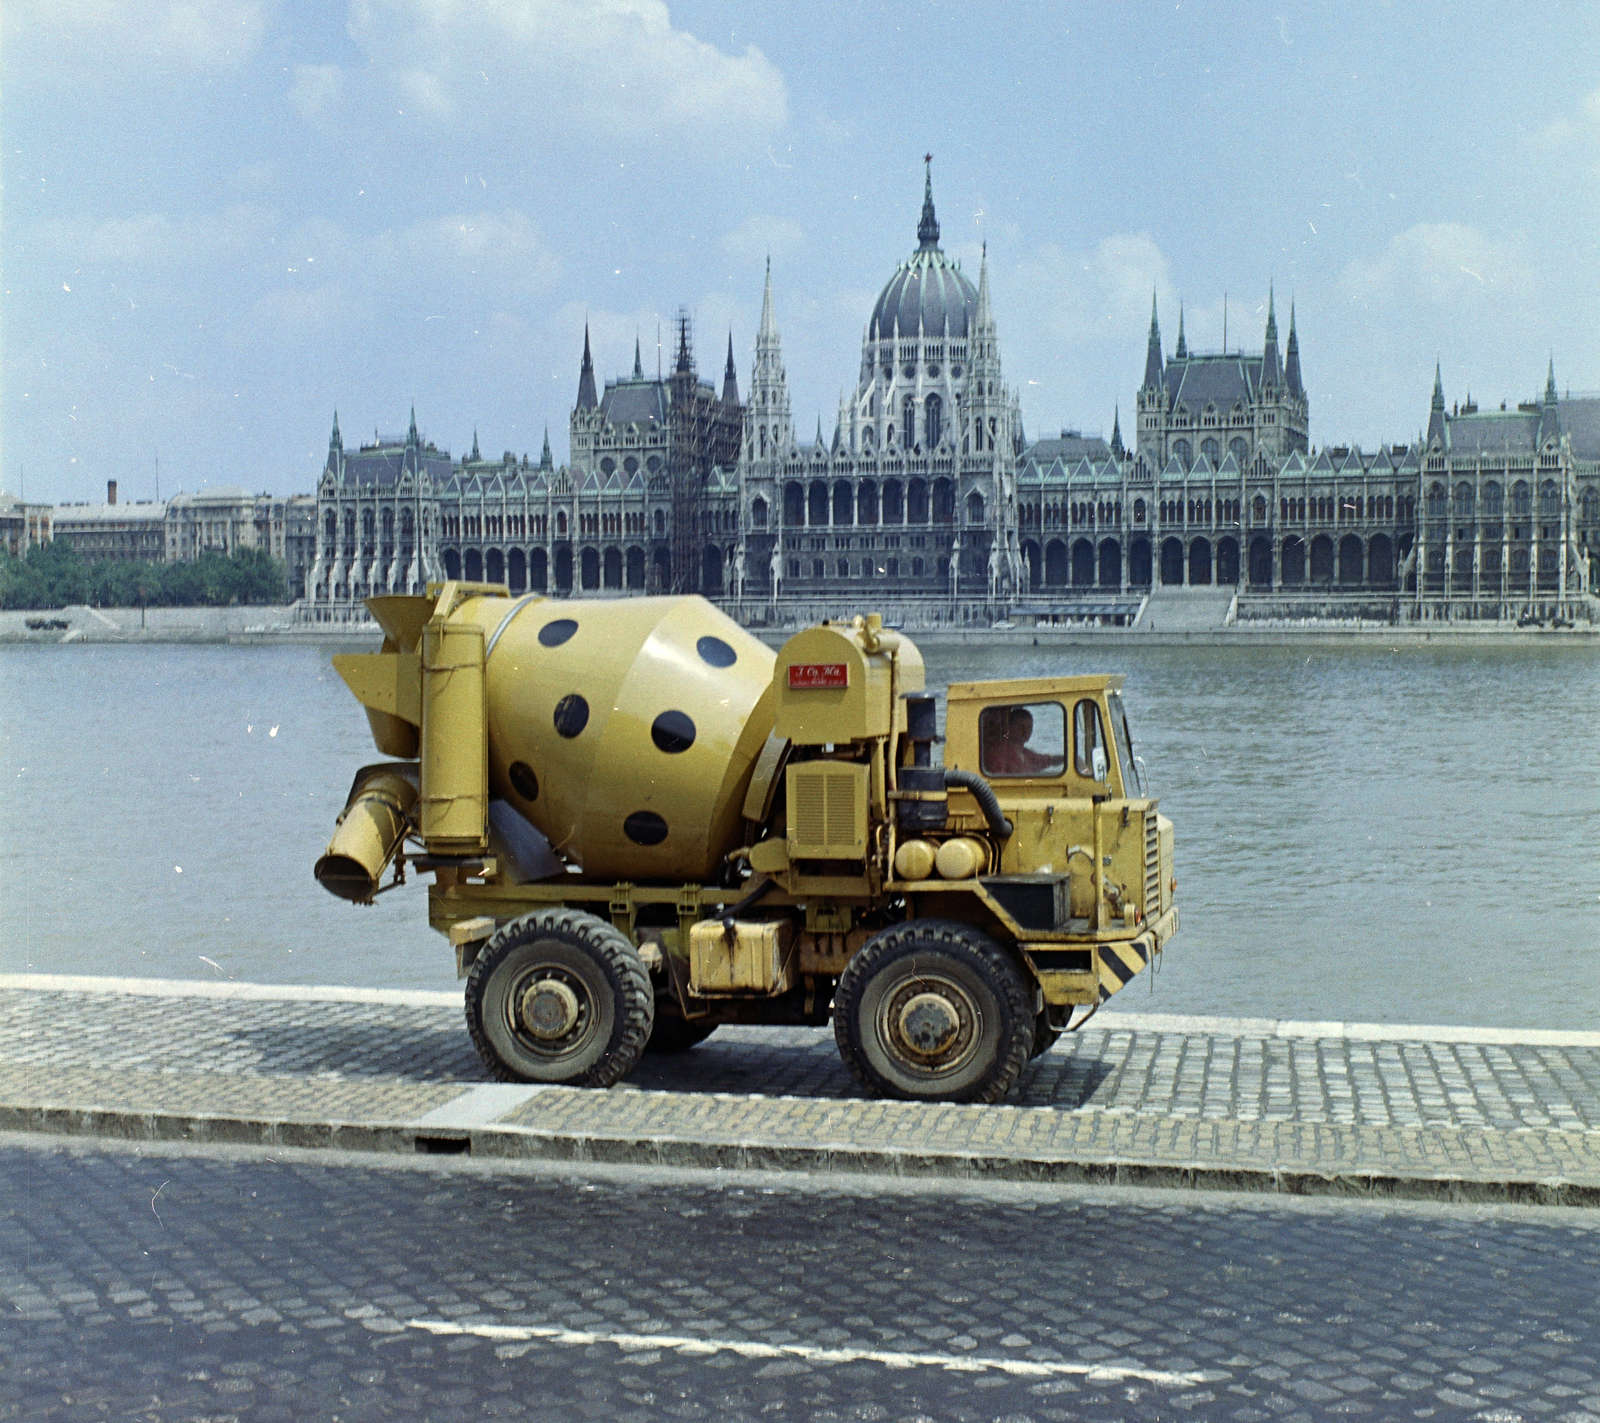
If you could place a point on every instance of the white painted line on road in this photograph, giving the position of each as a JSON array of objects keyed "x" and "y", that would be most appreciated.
[
  {"x": 480, "y": 1105},
  {"x": 811, "y": 1353}
]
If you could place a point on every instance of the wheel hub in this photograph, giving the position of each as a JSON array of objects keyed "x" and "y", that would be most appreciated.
[
  {"x": 549, "y": 1009},
  {"x": 929, "y": 1023}
]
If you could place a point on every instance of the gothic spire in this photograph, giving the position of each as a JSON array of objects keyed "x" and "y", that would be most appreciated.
[
  {"x": 638, "y": 365},
  {"x": 1116, "y": 432},
  {"x": 1550, "y": 420},
  {"x": 1291, "y": 363},
  {"x": 730, "y": 378},
  {"x": 1436, "y": 409},
  {"x": 1269, "y": 353},
  {"x": 411, "y": 434},
  {"x": 546, "y": 460},
  {"x": 586, "y": 395},
  {"x": 928, "y": 228},
  {"x": 335, "y": 440},
  {"x": 1152, "y": 358},
  {"x": 1180, "y": 352},
  {"x": 475, "y": 454},
  {"x": 983, "y": 317},
  {"x": 768, "y": 330}
]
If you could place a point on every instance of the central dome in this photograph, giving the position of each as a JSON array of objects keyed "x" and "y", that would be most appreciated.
[{"x": 927, "y": 295}]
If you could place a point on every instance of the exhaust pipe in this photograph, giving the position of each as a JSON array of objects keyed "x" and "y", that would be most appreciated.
[{"x": 370, "y": 830}]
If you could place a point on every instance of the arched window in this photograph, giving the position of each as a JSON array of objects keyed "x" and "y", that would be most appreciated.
[
  {"x": 758, "y": 513},
  {"x": 1436, "y": 504},
  {"x": 1258, "y": 509},
  {"x": 1494, "y": 500},
  {"x": 1463, "y": 500},
  {"x": 1212, "y": 451},
  {"x": 561, "y": 523},
  {"x": 974, "y": 508},
  {"x": 1240, "y": 450},
  {"x": 909, "y": 420},
  {"x": 1138, "y": 511},
  {"x": 893, "y": 508},
  {"x": 1184, "y": 453},
  {"x": 1521, "y": 498},
  {"x": 934, "y": 421},
  {"x": 1549, "y": 500}
]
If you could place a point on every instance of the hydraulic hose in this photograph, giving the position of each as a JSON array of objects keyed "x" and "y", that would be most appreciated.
[{"x": 988, "y": 801}]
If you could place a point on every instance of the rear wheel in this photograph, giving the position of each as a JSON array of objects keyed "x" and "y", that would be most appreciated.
[
  {"x": 934, "y": 1011},
  {"x": 559, "y": 996}
]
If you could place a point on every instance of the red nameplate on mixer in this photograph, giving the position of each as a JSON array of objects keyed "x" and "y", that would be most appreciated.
[{"x": 808, "y": 676}]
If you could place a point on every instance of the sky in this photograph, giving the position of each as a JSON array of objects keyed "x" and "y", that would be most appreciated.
[{"x": 224, "y": 219}]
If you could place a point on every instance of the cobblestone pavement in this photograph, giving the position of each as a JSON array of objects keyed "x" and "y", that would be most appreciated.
[
  {"x": 178, "y": 1287},
  {"x": 1121, "y": 1067}
]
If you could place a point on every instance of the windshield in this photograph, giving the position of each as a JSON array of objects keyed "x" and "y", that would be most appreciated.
[{"x": 1132, "y": 771}]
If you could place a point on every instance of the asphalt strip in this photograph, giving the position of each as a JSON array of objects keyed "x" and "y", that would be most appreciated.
[{"x": 815, "y": 1354}]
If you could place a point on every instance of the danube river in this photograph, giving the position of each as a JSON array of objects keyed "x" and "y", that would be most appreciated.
[{"x": 1408, "y": 835}]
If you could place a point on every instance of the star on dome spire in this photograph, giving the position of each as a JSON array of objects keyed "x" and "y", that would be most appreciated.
[{"x": 928, "y": 228}]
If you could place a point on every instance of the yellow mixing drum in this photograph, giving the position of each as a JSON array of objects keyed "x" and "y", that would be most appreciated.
[{"x": 670, "y": 698}]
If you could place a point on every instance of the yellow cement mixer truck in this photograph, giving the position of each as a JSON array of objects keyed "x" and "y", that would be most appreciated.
[{"x": 642, "y": 823}]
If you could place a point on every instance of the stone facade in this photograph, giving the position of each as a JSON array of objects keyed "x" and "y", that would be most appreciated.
[
  {"x": 22, "y": 525},
  {"x": 929, "y": 502}
]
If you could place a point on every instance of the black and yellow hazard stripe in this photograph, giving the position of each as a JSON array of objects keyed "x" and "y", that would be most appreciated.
[{"x": 1119, "y": 962}]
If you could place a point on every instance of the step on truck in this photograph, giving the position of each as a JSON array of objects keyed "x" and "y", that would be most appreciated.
[{"x": 641, "y": 824}]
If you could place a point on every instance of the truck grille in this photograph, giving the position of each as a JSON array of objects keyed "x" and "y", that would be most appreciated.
[
  {"x": 1152, "y": 865},
  {"x": 828, "y": 810}
]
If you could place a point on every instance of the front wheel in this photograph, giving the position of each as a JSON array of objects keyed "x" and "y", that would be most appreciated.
[
  {"x": 934, "y": 1011},
  {"x": 559, "y": 996}
]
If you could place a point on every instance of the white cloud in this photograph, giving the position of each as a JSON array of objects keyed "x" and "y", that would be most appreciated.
[
  {"x": 758, "y": 237},
  {"x": 1439, "y": 262},
  {"x": 1087, "y": 296},
  {"x": 616, "y": 65},
  {"x": 206, "y": 34}
]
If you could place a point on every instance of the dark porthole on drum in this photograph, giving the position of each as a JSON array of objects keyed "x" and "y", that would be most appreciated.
[
  {"x": 672, "y": 732},
  {"x": 645, "y": 827},
  {"x": 716, "y": 652},
  {"x": 556, "y": 633},
  {"x": 523, "y": 781},
  {"x": 572, "y": 715}
]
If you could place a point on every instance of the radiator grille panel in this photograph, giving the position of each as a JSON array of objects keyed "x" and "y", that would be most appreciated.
[
  {"x": 1152, "y": 864},
  {"x": 827, "y": 811}
]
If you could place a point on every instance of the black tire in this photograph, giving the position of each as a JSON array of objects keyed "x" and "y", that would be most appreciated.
[
  {"x": 673, "y": 1034},
  {"x": 954, "y": 985},
  {"x": 1044, "y": 1036},
  {"x": 559, "y": 996}
]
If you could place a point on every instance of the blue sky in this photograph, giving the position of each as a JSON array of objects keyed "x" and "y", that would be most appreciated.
[{"x": 225, "y": 218}]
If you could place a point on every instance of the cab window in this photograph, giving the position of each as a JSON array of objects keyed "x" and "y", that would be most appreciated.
[
  {"x": 1023, "y": 740},
  {"x": 1088, "y": 741}
]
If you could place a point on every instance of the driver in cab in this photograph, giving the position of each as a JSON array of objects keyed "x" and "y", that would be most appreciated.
[{"x": 1007, "y": 731}]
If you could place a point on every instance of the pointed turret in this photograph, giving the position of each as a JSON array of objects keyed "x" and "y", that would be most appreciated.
[
  {"x": 1116, "y": 433},
  {"x": 928, "y": 228},
  {"x": 1270, "y": 373},
  {"x": 730, "y": 379},
  {"x": 685, "y": 362},
  {"x": 1436, "y": 410},
  {"x": 1550, "y": 417},
  {"x": 546, "y": 459},
  {"x": 586, "y": 395},
  {"x": 983, "y": 317},
  {"x": 1152, "y": 357},
  {"x": 768, "y": 330},
  {"x": 475, "y": 454},
  {"x": 638, "y": 365},
  {"x": 1291, "y": 364},
  {"x": 1180, "y": 352},
  {"x": 412, "y": 437},
  {"x": 335, "y": 440}
]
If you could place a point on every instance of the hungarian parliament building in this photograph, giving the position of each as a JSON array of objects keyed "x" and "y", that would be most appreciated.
[{"x": 929, "y": 498}]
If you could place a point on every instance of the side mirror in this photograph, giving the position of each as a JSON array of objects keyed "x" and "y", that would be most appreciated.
[{"x": 1098, "y": 759}]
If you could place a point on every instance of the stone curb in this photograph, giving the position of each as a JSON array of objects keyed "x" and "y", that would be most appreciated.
[
  {"x": 1111, "y": 1021},
  {"x": 522, "y": 1143}
]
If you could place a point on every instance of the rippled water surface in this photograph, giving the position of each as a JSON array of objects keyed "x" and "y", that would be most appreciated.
[{"x": 1401, "y": 836}]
